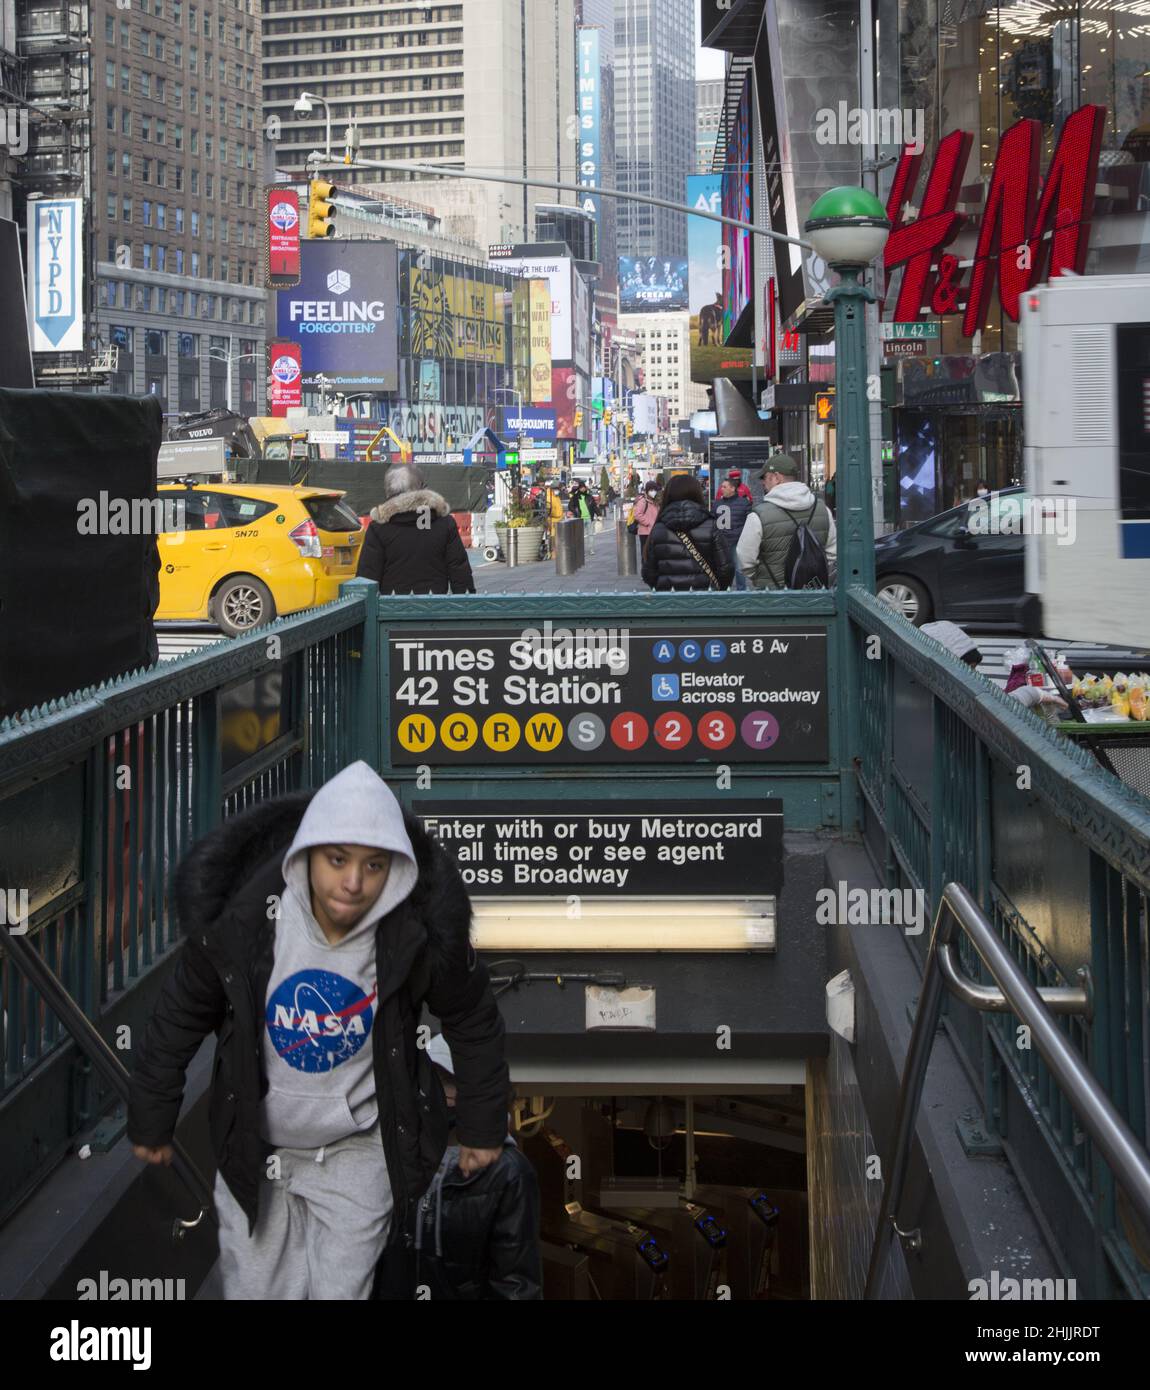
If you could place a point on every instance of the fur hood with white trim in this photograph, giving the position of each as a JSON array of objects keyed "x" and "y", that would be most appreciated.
[{"x": 420, "y": 500}]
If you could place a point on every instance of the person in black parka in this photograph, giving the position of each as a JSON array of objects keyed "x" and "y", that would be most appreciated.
[
  {"x": 474, "y": 1236},
  {"x": 413, "y": 545},
  {"x": 668, "y": 563},
  {"x": 315, "y": 1000}
]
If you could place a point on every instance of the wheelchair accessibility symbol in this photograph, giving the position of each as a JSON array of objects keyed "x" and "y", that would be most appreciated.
[{"x": 664, "y": 687}]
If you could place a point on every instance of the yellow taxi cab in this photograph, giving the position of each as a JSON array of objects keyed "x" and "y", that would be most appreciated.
[{"x": 243, "y": 554}]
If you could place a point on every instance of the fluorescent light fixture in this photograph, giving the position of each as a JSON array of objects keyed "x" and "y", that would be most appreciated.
[{"x": 624, "y": 924}]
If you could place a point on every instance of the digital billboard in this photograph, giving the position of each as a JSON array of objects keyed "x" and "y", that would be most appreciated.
[
  {"x": 652, "y": 282},
  {"x": 342, "y": 314},
  {"x": 590, "y": 136},
  {"x": 737, "y": 281},
  {"x": 709, "y": 355},
  {"x": 540, "y": 342},
  {"x": 558, "y": 271},
  {"x": 455, "y": 317}
]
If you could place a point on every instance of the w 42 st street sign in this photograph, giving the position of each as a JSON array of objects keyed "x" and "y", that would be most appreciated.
[{"x": 894, "y": 332}]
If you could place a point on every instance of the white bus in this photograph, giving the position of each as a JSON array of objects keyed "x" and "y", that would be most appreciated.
[{"x": 1086, "y": 363}]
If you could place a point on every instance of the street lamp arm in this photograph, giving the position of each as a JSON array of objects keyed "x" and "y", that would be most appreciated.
[{"x": 492, "y": 176}]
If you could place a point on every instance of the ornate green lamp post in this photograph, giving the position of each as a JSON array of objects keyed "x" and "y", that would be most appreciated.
[{"x": 848, "y": 228}]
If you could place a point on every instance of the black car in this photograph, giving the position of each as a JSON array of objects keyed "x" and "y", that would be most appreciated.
[{"x": 946, "y": 569}]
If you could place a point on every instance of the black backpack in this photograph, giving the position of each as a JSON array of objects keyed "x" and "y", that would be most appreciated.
[{"x": 806, "y": 564}]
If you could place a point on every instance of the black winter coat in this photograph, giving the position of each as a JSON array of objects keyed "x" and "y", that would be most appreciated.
[
  {"x": 413, "y": 546},
  {"x": 737, "y": 509},
  {"x": 219, "y": 984},
  {"x": 472, "y": 1238},
  {"x": 668, "y": 564}
]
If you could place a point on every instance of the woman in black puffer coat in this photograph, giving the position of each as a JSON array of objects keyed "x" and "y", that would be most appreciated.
[{"x": 668, "y": 563}]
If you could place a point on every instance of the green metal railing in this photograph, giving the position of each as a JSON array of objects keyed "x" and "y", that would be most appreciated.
[
  {"x": 101, "y": 794},
  {"x": 1056, "y": 853}
]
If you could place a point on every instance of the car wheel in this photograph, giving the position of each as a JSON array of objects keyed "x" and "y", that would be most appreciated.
[
  {"x": 240, "y": 605},
  {"x": 905, "y": 596}
]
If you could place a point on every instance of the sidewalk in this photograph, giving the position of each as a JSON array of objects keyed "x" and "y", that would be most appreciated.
[{"x": 598, "y": 576}]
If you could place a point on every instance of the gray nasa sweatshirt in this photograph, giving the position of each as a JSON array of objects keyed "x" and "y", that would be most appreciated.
[{"x": 322, "y": 998}]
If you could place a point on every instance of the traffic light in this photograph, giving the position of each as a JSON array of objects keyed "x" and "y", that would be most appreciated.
[
  {"x": 630, "y": 428},
  {"x": 607, "y": 416},
  {"x": 320, "y": 212},
  {"x": 578, "y": 417}
]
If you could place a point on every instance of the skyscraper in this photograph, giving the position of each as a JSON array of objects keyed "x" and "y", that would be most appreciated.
[
  {"x": 654, "y": 120},
  {"x": 708, "y": 113},
  {"x": 479, "y": 85}
]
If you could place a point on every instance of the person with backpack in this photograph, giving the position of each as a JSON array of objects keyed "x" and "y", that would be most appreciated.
[
  {"x": 316, "y": 926},
  {"x": 788, "y": 540},
  {"x": 686, "y": 548},
  {"x": 472, "y": 1236}
]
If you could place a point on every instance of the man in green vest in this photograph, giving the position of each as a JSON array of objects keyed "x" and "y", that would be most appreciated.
[{"x": 770, "y": 528}]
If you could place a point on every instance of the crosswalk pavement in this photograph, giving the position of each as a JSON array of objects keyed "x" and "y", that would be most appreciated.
[{"x": 176, "y": 644}]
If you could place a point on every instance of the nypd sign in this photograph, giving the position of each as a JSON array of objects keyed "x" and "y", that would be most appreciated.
[
  {"x": 342, "y": 314},
  {"x": 56, "y": 274}
]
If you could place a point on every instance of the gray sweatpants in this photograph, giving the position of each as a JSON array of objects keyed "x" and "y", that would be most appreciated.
[{"x": 322, "y": 1226}]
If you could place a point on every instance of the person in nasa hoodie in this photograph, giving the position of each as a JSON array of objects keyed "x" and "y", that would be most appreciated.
[{"x": 316, "y": 928}]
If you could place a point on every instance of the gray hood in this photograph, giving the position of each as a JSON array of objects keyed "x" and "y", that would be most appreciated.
[
  {"x": 792, "y": 497},
  {"x": 356, "y": 807}
]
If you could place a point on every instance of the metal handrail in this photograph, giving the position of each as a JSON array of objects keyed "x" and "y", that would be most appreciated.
[
  {"x": 1118, "y": 1144},
  {"x": 93, "y": 1046}
]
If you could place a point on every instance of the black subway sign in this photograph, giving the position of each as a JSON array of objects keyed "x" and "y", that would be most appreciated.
[
  {"x": 725, "y": 848},
  {"x": 553, "y": 695}
]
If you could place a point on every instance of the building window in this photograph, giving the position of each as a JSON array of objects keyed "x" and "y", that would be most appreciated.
[
  {"x": 209, "y": 181},
  {"x": 127, "y": 209},
  {"x": 110, "y": 74},
  {"x": 161, "y": 174},
  {"x": 161, "y": 216},
  {"x": 178, "y": 177},
  {"x": 179, "y": 260},
  {"x": 146, "y": 84},
  {"x": 179, "y": 216},
  {"x": 178, "y": 298},
  {"x": 147, "y": 213},
  {"x": 178, "y": 137},
  {"x": 145, "y": 127},
  {"x": 112, "y": 205},
  {"x": 194, "y": 141},
  {"x": 147, "y": 255},
  {"x": 210, "y": 226},
  {"x": 196, "y": 183},
  {"x": 109, "y": 28},
  {"x": 145, "y": 170},
  {"x": 211, "y": 266},
  {"x": 195, "y": 223},
  {"x": 194, "y": 101},
  {"x": 196, "y": 264},
  {"x": 161, "y": 132},
  {"x": 111, "y": 160},
  {"x": 161, "y": 259},
  {"x": 125, "y": 122},
  {"x": 161, "y": 88},
  {"x": 111, "y": 118}
]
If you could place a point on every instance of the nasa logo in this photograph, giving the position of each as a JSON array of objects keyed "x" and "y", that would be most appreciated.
[
  {"x": 285, "y": 370},
  {"x": 284, "y": 217},
  {"x": 317, "y": 1020}
]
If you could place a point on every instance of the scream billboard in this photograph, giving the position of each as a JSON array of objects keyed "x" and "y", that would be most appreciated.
[
  {"x": 342, "y": 314},
  {"x": 652, "y": 282}
]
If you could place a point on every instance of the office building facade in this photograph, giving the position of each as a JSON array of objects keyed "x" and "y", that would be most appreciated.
[{"x": 654, "y": 120}]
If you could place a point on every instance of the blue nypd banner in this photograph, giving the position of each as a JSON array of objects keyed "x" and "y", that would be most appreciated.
[
  {"x": 56, "y": 274},
  {"x": 533, "y": 423}
]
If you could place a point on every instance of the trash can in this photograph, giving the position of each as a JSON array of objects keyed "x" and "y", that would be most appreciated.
[
  {"x": 628, "y": 561},
  {"x": 567, "y": 537},
  {"x": 580, "y": 543}
]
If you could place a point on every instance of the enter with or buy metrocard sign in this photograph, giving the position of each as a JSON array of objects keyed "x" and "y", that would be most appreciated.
[{"x": 639, "y": 695}]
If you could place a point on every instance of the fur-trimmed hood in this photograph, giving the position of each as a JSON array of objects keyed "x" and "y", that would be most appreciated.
[
  {"x": 223, "y": 885},
  {"x": 423, "y": 499}
]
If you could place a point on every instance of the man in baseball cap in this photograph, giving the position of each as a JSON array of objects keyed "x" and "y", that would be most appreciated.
[{"x": 787, "y": 503}]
